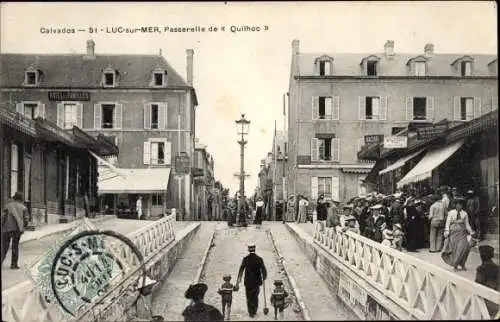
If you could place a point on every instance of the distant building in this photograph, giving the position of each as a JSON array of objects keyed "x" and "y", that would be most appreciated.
[
  {"x": 336, "y": 100},
  {"x": 139, "y": 102},
  {"x": 204, "y": 184}
]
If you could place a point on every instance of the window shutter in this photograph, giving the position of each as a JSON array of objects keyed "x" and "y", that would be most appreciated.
[
  {"x": 429, "y": 113},
  {"x": 494, "y": 103},
  {"x": 336, "y": 108},
  {"x": 413, "y": 69},
  {"x": 477, "y": 107},
  {"x": 79, "y": 115},
  {"x": 314, "y": 188},
  {"x": 165, "y": 115},
  {"x": 335, "y": 149},
  {"x": 362, "y": 107},
  {"x": 118, "y": 121},
  {"x": 328, "y": 68},
  {"x": 154, "y": 152},
  {"x": 168, "y": 152},
  {"x": 60, "y": 115},
  {"x": 315, "y": 107},
  {"x": 97, "y": 116},
  {"x": 328, "y": 107},
  {"x": 41, "y": 110},
  {"x": 457, "y": 113},
  {"x": 335, "y": 188},
  {"x": 147, "y": 152},
  {"x": 409, "y": 108},
  {"x": 161, "y": 116},
  {"x": 20, "y": 108},
  {"x": 147, "y": 116},
  {"x": 314, "y": 149},
  {"x": 469, "y": 109},
  {"x": 383, "y": 108}
]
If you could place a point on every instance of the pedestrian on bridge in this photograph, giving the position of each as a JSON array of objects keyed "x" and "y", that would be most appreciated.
[
  {"x": 255, "y": 274},
  {"x": 15, "y": 217},
  {"x": 198, "y": 310},
  {"x": 259, "y": 211}
]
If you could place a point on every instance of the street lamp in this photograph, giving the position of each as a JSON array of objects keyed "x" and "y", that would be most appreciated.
[{"x": 242, "y": 126}]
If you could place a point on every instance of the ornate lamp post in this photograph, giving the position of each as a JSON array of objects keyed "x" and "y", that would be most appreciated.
[{"x": 242, "y": 126}]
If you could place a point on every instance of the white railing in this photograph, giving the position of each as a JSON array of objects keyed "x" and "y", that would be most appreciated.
[
  {"x": 423, "y": 290},
  {"x": 28, "y": 304}
]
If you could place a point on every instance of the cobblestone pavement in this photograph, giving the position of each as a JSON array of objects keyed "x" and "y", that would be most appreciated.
[
  {"x": 30, "y": 251},
  {"x": 433, "y": 258},
  {"x": 169, "y": 301},
  {"x": 320, "y": 302}
]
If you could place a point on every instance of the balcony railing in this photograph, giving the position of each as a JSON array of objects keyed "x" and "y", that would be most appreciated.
[{"x": 422, "y": 290}]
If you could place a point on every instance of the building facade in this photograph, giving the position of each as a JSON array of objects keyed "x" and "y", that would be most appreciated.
[
  {"x": 336, "y": 100},
  {"x": 206, "y": 199},
  {"x": 139, "y": 102}
]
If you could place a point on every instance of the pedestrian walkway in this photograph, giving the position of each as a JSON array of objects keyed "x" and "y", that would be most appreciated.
[
  {"x": 319, "y": 301},
  {"x": 433, "y": 258},
  {"x": 31, "y": 250}
]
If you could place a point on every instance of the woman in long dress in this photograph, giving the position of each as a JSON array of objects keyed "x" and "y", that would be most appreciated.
[
  {"x": 458, "y": 233},
  {"x": 303, "y": 203},
  {"x": 259, "y": 211}
]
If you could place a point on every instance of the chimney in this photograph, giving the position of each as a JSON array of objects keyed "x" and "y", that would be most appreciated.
[
  {"x": 90, "y": 48},
  {"x": 429, "y": 50},
  {"x": 189, "y": 69},
  {"x": 389, "y": 48},
  {"x": 295, "y": 47}
]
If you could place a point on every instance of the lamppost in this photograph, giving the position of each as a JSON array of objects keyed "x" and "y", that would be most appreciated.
[{"x": 242, "y": 126}]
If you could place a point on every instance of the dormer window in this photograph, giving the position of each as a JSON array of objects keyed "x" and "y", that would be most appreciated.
[
  {"x": 370, "y": 65},
  {"x": 463, "y": 65},
  {"x": 159, "y": 78},
  {"x": 466, "y": 68},
  {"x": 31, "y": 77},
  {"x": 324, "y": 65},
  {"x": 109, "y": 77},
  {"x": 419, "y": 68}
]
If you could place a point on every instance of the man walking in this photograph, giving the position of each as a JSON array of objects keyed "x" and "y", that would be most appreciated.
[
  {"x": 255, "y": 275},
  {"x": 138, "y": 207},
  {"x": 14, "y": 217}
]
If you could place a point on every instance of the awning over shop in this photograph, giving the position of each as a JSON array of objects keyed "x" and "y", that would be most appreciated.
[
  {"x": 136, "y": 181},
  {"x": 401, "y": 162},
  {"x": 429, "y": 162}
]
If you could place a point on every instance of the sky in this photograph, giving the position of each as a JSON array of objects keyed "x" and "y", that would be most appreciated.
[{"x": 244, "y": 71}]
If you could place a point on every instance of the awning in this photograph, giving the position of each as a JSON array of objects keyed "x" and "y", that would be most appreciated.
[
  {"x": 401, "y": 162},
  {"x": 429, "y": 162},
  {"x": 136, "y": 181}
]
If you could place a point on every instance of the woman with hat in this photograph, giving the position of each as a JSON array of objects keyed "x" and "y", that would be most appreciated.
[
  {"x": 351, "y": 224},
  {"x": 198, "y": 310},
  {"x": 376, "y": 224},
  {"x": 414, "y": 227},
  {"x": 302, "y": 216},
  {"x": 457, "y": 234}
]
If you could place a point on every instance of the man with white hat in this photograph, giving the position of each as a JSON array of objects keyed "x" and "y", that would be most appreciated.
[
  {"x": 376, "y": 223},
  {"x": 255, "y": 275}
]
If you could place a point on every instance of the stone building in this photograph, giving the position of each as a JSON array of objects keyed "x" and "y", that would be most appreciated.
[
  {"x": 336, "y": 101},
  {"x": 139, "y": 102},
  {"x": 204, "y": 182}
]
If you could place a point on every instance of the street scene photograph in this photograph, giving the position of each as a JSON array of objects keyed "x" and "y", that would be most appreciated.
[{"x": 249, "y": 161}]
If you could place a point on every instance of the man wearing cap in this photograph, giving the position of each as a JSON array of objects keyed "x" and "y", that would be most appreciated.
[
  {"x": 255, "y": 275},
  {"x": 15, "y": 217},
  {"x": 198, "y": 310},
  {"x": 472, "y": 208}
]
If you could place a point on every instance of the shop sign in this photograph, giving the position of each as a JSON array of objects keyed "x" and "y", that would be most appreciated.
[
  {"x": 431, "y": 131},
  {"x": 182, "y": 164},
  {"x": 369, "y": 139},
  {"x": 69, "y": 96},
  {"x": 395, "y": 142},
  {"x": 198, "y": 172}
]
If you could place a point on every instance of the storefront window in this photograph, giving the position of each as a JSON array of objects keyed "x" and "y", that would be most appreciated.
[{"x": 157, "y": 200}]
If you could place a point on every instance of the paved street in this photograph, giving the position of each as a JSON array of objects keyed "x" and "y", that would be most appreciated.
[
  {"x": 30, "y": 251},
  {"x": 320, "y": 302}
]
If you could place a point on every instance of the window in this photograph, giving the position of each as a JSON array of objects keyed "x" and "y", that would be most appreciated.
[
  {"x": 325, "y": 151},
  {"x": 154, "y": 116},
  {"x": 325, "y": 68},
  {"x": 108, "y": 111},
  {"x": 466, "y": 108},
  {"x": 325, "y": 186},
  {"x": 157, "y": 152},
  {"x": 419, "y": 108},
  {"x": 419, "y": 68},
  {"x": 70, "y": 116},
  {"x": 158, "y": 79},
  {"x": 30, "y": 110},
  {"x": 156, "y": 199},
  {"x": 31, "y": 78},
  {"x": 109, "y": 79},
  {"x": 372, "y": 108},
  {"x": 286, "y": 148},
  {"x": 371, "y": 68},
  {"x": 466, "y": 68},
  {"x": 325, "y": 107},
  {"x": 14, "y": 169}
]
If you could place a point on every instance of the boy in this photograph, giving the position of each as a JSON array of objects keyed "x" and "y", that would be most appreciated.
[
  {"x": 278, "y": 299},
  {"x": 398, "y": 234},
  {"x": 226, "y": 293},
  {"x": 388, "y": 238}
]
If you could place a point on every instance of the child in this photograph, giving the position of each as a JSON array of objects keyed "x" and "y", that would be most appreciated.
[
  {"x": 278, "y": 299},
  {"x": 388, "y": 238},
  {"x": 398, "y": 237},
  {"x": 226, "y": 293}
]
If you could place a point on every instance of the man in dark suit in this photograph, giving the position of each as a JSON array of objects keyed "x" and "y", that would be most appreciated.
[
  {"x": 488, "y": 274},
  {"x": 255, "y": 274},
  {"x": 15, "y": 217}
]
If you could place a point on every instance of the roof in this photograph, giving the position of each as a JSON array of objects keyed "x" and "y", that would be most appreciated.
[
  {"x": 438, "y": 64},
  {"x": 136, "y": 181},
  {"x": 75, "y": 70}
]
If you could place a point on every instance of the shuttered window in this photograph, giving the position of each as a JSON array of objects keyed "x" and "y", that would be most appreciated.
[
  {"x": 325, "y": 107},
  {"x": 466, "y": 108},
  {"x": 155, "y": 116},
  {"x": 108, "y": 116},
  {"x": 420, "y": 108},
  {"x": 157, "y": 152},
  {"x": 31, "y": 110}
]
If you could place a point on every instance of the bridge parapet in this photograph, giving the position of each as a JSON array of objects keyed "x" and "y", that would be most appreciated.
[{"x": 421, "y": 290}]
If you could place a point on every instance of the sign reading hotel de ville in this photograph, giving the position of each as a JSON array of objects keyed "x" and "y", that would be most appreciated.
[
  {"x": 69, "y": 96},
  {"x": 395, "y": 142}
]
